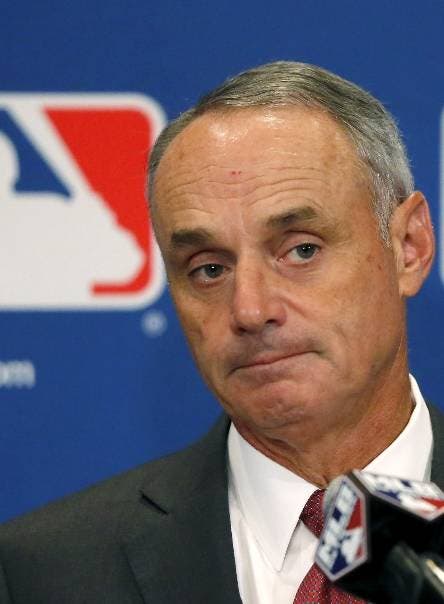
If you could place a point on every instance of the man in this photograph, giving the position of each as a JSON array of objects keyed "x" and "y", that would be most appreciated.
[{"x": 292, "y": 236}]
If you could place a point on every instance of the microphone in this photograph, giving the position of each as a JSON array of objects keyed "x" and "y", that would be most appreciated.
[{"x": 383, "y": 538}]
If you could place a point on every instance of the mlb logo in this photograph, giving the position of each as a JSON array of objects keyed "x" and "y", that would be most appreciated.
[
  {"x": 422, "y": 499},
  {"x": 343, "y": 542},
  {"x": 74, "y": 228}
]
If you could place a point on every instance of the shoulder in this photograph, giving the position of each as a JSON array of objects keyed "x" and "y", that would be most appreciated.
[
  {"x": 108, "y": 507},
  {"x": 104, "y": 543}
]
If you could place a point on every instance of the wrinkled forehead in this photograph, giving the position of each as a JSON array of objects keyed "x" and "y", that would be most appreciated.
[
  {"x": 224, "y": 148},
  {"x": 270, "y": 130}
]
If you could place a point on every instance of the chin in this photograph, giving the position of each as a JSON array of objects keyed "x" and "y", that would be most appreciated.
[{"x": 272, "y": 406}]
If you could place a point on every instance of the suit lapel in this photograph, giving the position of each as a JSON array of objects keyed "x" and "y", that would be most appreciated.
[{"x": 181, "y": 549}]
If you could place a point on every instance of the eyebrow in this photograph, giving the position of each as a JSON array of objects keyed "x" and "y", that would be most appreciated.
[
  {"x": 183, "y": 238},
  {"x": 291, "y": 217},
  {"x": 190, "y": 237}
]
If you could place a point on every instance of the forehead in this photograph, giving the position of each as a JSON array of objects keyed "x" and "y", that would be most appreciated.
[
  {"x": 283, "y": 130},
  {"x": 254, "y": 154}
]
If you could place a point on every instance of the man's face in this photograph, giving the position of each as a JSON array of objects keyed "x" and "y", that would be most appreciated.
[{"x": 288, "y": 297}]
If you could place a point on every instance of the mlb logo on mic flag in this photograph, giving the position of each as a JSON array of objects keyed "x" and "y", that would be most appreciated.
[
  {"x": 74, "y": 228},
  {"x": 422, "y": 499},
  {"x": 343, "y": 542}
]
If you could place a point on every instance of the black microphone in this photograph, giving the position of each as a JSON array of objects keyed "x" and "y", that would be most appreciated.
[{"x": 383, "y": 538}]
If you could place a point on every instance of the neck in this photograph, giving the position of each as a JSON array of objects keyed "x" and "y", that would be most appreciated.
[{"x": 318, "y": 451}]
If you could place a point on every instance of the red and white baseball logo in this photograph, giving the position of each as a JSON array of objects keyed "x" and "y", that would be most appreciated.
[{"x": 74, "y": 228}]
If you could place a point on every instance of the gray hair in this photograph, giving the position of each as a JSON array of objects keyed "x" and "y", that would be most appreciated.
[{"x": 370, "y": 126}]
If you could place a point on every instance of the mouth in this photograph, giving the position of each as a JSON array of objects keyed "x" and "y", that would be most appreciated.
[{"x": 268, "y": 360}]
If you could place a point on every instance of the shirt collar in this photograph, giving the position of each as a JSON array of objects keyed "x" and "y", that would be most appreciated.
[
  {"x": 271, "y": 498},
  {"x": 409, "y": 456}
]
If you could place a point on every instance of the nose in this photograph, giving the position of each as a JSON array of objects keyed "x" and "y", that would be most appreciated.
[{"x": 256, "y": 303}]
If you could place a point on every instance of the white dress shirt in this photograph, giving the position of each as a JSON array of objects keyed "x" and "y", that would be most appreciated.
[{"x": 273, "y": 550}]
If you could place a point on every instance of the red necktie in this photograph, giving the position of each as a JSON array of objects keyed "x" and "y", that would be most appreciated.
[{"x": 316, "y": 588}]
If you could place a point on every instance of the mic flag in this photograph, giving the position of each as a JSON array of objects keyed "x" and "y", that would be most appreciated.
[{"x": 366, "y": 515}]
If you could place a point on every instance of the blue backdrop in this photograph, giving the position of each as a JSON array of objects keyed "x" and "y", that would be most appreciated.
[{"x": 95, "y": 376}]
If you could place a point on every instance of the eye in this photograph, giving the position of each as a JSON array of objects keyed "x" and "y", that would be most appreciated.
[
  {"x": 303, "y": 252},
  {"x": 207, "y": 272}
]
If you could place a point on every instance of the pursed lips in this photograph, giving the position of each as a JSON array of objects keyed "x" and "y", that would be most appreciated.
[{"x": 265, "y": 360}]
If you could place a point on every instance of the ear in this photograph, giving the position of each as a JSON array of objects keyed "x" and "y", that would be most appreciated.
[{"x": 413, "y": 243}]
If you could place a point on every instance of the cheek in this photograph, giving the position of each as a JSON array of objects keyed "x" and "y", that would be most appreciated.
[
  {"x": 371, "y": 314},
  {"x": 202, "y": 329},
  {"x": 193, "y": 327},
  {"x": 360, "y": 301}
]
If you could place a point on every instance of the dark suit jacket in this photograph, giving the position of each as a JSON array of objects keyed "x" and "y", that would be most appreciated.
[{"x": 158, "y": 534}]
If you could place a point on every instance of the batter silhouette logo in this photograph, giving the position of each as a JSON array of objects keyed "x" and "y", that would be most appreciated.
[{"x": 74, "y": 228}]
